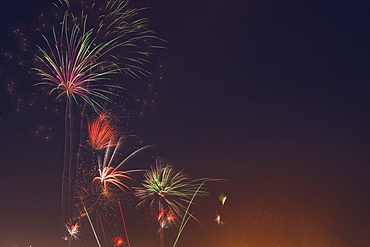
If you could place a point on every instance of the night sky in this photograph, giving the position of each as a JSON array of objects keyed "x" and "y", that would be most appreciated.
[{"x": 272, "y": 96}]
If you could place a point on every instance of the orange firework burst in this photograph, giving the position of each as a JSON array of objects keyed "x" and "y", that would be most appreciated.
[
  {"x": 118, "y": 241},
  {"x": 102, "y": 133},
  {"x": 110, "y": 175}
]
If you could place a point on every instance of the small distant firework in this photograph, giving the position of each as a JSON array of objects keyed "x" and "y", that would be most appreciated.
[
  {"x": 118, "y": 241},
  {"x": 218, "y": 219},
  {"x": 73, "y": 230},
  {"x": 222, "y": 197}
]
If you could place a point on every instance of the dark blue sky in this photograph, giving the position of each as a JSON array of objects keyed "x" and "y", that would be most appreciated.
[{"x": 272, "y": 96}]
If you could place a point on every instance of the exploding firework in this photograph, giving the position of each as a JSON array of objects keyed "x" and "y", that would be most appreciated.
[
  {"x": 166, "y": 188},
  {"x": 170, "y": 192},
  {"x": 218, "y": 219},
  {"x": 80, "y": 59},
  {"x": 222, "y": 197},
  {"x": 101, "y": 196},
  {"x": 118, "y": 241},
  {"x": 165, "y": 218},
  {"x": 72, "y": 65},
  {"x": 110, "y": 173},
  {"x": 89, "y": 49},
  {"x": 109, "y": 176},
  {"x": 101, "y": 132},
  {"x": 73, "y": 230}
]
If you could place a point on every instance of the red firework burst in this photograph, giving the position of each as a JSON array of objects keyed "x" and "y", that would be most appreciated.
[{"x": 118, "y": 241}]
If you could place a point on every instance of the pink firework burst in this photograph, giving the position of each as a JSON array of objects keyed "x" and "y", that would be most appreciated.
[{"x": 72, "y": 66}]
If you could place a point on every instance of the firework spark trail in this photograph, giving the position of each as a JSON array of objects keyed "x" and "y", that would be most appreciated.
[
  {"x": 110, "y": 154},
  {"x": 124, "y": 223},
  {"x": 92, "y": 226},
  {"x": 187, "y": 216}
]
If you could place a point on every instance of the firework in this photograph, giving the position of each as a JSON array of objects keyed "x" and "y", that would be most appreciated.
[
  {"x": 188, "y": 215},
  {"x": 169, "y": 191},
  {"x": 73, "y": 66},
  {"x": 77, "y": 63},
  {"x": 109, "y": 176},
  {"x": 118, "y": 241},
  {"x": 81, "y": 57},
  {"x": 101, "y": 196},
  {"x": 165, "y": 218},
  {"x": 73, "y": 230},
  {"x": 92, "y": 226},
  {"x": 218, "y": 219},
  {"x": 222, "y": 197},
  {"x": 101, "y": 132},
  {"x": 109, "y": 173}
]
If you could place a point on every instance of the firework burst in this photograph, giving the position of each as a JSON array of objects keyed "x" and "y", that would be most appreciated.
[
  {"x": 218, "y": 219},
  {"x": 110, "y": 173},
  {"x": 109, "y": 176},
  {"x": 222, "y": 197},
  {"x": 170, "y": 192},
  {"x": 101, "y": 132},
  {"x": 72, "y": 65},
  {"x": 118, "y": 241},
  {"x": 103, "y": 40},
  {"x": 73, "y": 230},
  {"x": 168, "y": 189}
]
